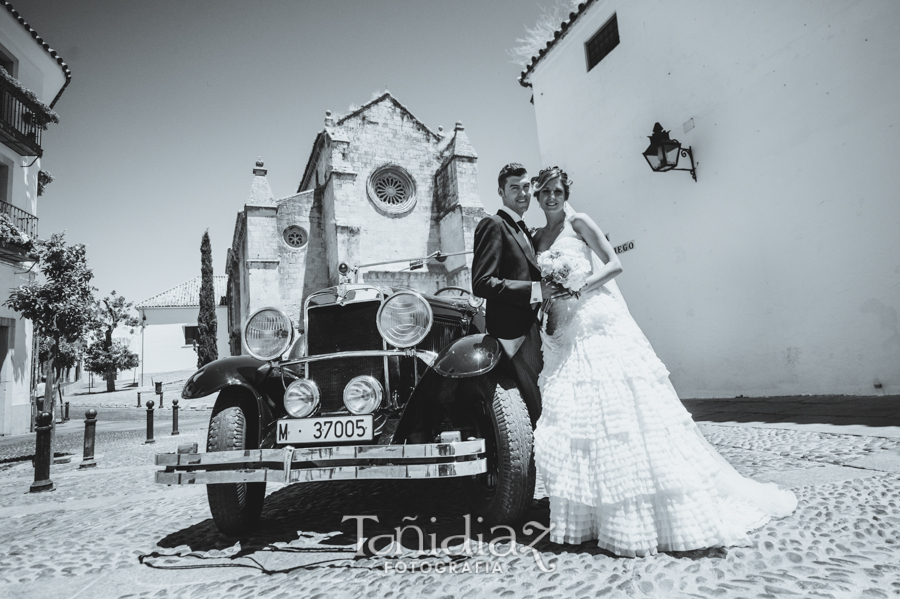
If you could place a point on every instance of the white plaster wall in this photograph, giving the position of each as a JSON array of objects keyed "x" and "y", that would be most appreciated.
[
  {"x": 15, "y": 371},
  {"x": 21, "y": 187},
  {"x": 164, "y": 349},
  {"x": 779, "y": 271},
  {"x": 40, "y": 73}
]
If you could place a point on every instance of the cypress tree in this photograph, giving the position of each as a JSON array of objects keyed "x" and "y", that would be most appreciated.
[{"x": 206, "y": 320}]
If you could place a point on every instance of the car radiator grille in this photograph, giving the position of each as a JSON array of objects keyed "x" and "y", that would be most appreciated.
[
  {"x": 337, "y": 328},
  {"x": 441, "y": 334}
]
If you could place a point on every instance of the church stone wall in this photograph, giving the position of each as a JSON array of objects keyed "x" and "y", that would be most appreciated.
[
  {"x": 345, "y": 225},
  {"x": 262, "y": 257},
  {"x": 385, "y": 134},
  {"x": 426, "y": 282},
  {"x": 301, "y": 269}
]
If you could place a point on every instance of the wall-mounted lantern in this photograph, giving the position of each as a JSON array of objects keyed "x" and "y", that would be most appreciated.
[{"x": 662, "y": 153}]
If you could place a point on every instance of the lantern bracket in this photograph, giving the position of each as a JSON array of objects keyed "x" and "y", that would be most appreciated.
[{"x": 686, "y": 152}]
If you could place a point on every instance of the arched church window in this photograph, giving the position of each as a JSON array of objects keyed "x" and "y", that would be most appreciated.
[
  {"x": 392, "y": 189},
  {"x": 295, "y": 236}
]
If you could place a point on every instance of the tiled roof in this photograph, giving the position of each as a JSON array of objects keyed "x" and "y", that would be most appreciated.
[
  {"x": 186, "y": 295},
  {"x": 557, "y": 35},
  {"x": 46, "y": 46}
]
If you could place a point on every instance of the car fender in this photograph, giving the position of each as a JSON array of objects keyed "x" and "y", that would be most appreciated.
[
  {"x": 459, "y": 364},
  {"x": 240, "y": 371},
  {"x": 472, "y": 355},
  {"x": 237, "y": 380}
]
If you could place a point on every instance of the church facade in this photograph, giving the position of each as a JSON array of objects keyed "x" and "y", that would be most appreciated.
[{"x": 379, "y": 189}]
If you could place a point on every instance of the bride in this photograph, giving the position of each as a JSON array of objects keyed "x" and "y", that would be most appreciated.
[{"x": 620, "y": 457}]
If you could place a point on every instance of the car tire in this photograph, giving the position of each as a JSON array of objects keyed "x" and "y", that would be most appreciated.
[
  {"x": 235, "y": 507},
  {"x": 504, "y": 494}
]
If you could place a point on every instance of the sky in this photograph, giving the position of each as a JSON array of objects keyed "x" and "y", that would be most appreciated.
[{"x": 171, "y": 103}]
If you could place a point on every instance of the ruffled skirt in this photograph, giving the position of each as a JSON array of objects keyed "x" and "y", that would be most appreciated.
[{"x": 620, "y": 457}]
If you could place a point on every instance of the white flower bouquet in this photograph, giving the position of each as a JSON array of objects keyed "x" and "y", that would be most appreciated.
[{"x": 568, "y": 269}]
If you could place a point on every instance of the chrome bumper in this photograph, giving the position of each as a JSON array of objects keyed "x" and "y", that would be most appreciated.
[{"x": 346, "y": 462}]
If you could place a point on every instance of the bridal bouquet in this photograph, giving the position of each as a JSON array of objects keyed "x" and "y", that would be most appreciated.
[{"x": 569, "y": 270}]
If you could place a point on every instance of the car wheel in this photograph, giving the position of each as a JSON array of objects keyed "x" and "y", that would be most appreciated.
[
  {"x": 235, "y": 507},
  {"x": 504, "y": 493}
]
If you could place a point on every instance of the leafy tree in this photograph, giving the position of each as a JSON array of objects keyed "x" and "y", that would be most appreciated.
[
  {"x": 68, "y": 356},
  {"x": 104, "y": 356},
  {"x": 60, "y": 308},
  {"x": 207, "y": 351},
  {"x": 108, "y": 361}
]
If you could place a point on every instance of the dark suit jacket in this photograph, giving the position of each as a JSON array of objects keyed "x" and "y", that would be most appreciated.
[{"x": 503, "y": 269}]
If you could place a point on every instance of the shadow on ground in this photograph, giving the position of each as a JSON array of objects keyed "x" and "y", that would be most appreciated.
[
  {"x": 317, "y": 510},
  {"x": 837, "y": 410},
  {"x": 437, "y": 507}
]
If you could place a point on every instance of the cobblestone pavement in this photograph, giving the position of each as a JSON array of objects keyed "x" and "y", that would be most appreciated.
[{"x": 111, "y": 532}]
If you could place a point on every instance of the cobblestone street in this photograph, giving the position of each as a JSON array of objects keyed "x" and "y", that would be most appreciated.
[{"x": 110, "y": 531}]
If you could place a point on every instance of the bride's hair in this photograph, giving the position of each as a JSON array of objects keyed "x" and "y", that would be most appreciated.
[{"x": 548, "y": 174}]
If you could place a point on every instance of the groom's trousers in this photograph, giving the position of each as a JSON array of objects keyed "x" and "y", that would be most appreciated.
[{"x": 527, "y": 364}]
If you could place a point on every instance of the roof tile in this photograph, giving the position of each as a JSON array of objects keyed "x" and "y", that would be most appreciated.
[{"x": 186, "y": 295}]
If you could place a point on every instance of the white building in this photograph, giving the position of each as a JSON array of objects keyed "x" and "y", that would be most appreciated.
[
  {"x": 166, "y": 343},
  {"x": 33, "y": 79},
  {"x": 778, "y": 271}
]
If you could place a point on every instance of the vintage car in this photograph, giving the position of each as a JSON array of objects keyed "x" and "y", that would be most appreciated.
[{"x": 384, "y": 383}]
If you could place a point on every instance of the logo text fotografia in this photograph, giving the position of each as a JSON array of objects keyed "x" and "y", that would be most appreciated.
[{"x": 457, "y": 547}]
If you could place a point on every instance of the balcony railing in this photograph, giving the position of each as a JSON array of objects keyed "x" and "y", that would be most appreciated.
[
  {"x": 20, "y": 128},
  {"x": 24, "y": 222}
]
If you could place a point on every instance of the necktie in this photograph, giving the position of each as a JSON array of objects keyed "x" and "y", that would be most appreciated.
[{"x": 524, "y": 229}]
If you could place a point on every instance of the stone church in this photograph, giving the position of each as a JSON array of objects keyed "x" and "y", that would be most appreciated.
[{"x": 379, "y": 186}]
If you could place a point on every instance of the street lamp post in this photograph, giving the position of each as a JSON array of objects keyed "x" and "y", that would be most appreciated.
[{"x": 143, "y": 326}]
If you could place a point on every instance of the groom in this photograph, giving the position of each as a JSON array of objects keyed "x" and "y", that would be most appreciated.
[{"x": 505, "y": 273}]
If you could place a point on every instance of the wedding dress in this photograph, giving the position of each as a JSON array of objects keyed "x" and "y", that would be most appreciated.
[{"x": 620, "y": 457}]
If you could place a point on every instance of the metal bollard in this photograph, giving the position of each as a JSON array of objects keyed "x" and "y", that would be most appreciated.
[
  {"x": 66, "y": 417},
  {"x": 90, "y": 429},
  {"x": 139, "y": 399},
  {"x": 175, "y": 417},
  {"x": 42, "y": 455},
  {"x": 160, "y": 399},
  {"x": 150, "y": 438}
]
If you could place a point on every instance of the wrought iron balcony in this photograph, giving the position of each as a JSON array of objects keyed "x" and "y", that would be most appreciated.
[
  {"x": 25, "y": 222},
  {"x": 20, "y": 120}
]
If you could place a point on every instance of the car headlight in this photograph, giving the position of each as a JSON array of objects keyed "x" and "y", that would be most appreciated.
[
  {"x": 404, "y": 319},
  {"x": 363, "y": 395},
  {"x": 301, "y": 398},
  {"x": 268, "y": 333}
]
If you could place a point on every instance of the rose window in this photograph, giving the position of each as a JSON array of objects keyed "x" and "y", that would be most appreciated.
[
  {"x": 392, "y": 189},
  {"x": 295, "y": 236}
]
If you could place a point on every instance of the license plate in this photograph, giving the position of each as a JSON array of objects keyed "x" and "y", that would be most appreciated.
[{"x": 325, "y": 430}]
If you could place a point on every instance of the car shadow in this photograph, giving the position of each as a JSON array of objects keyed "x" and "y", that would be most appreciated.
[{"x": 438, "y": 508}]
